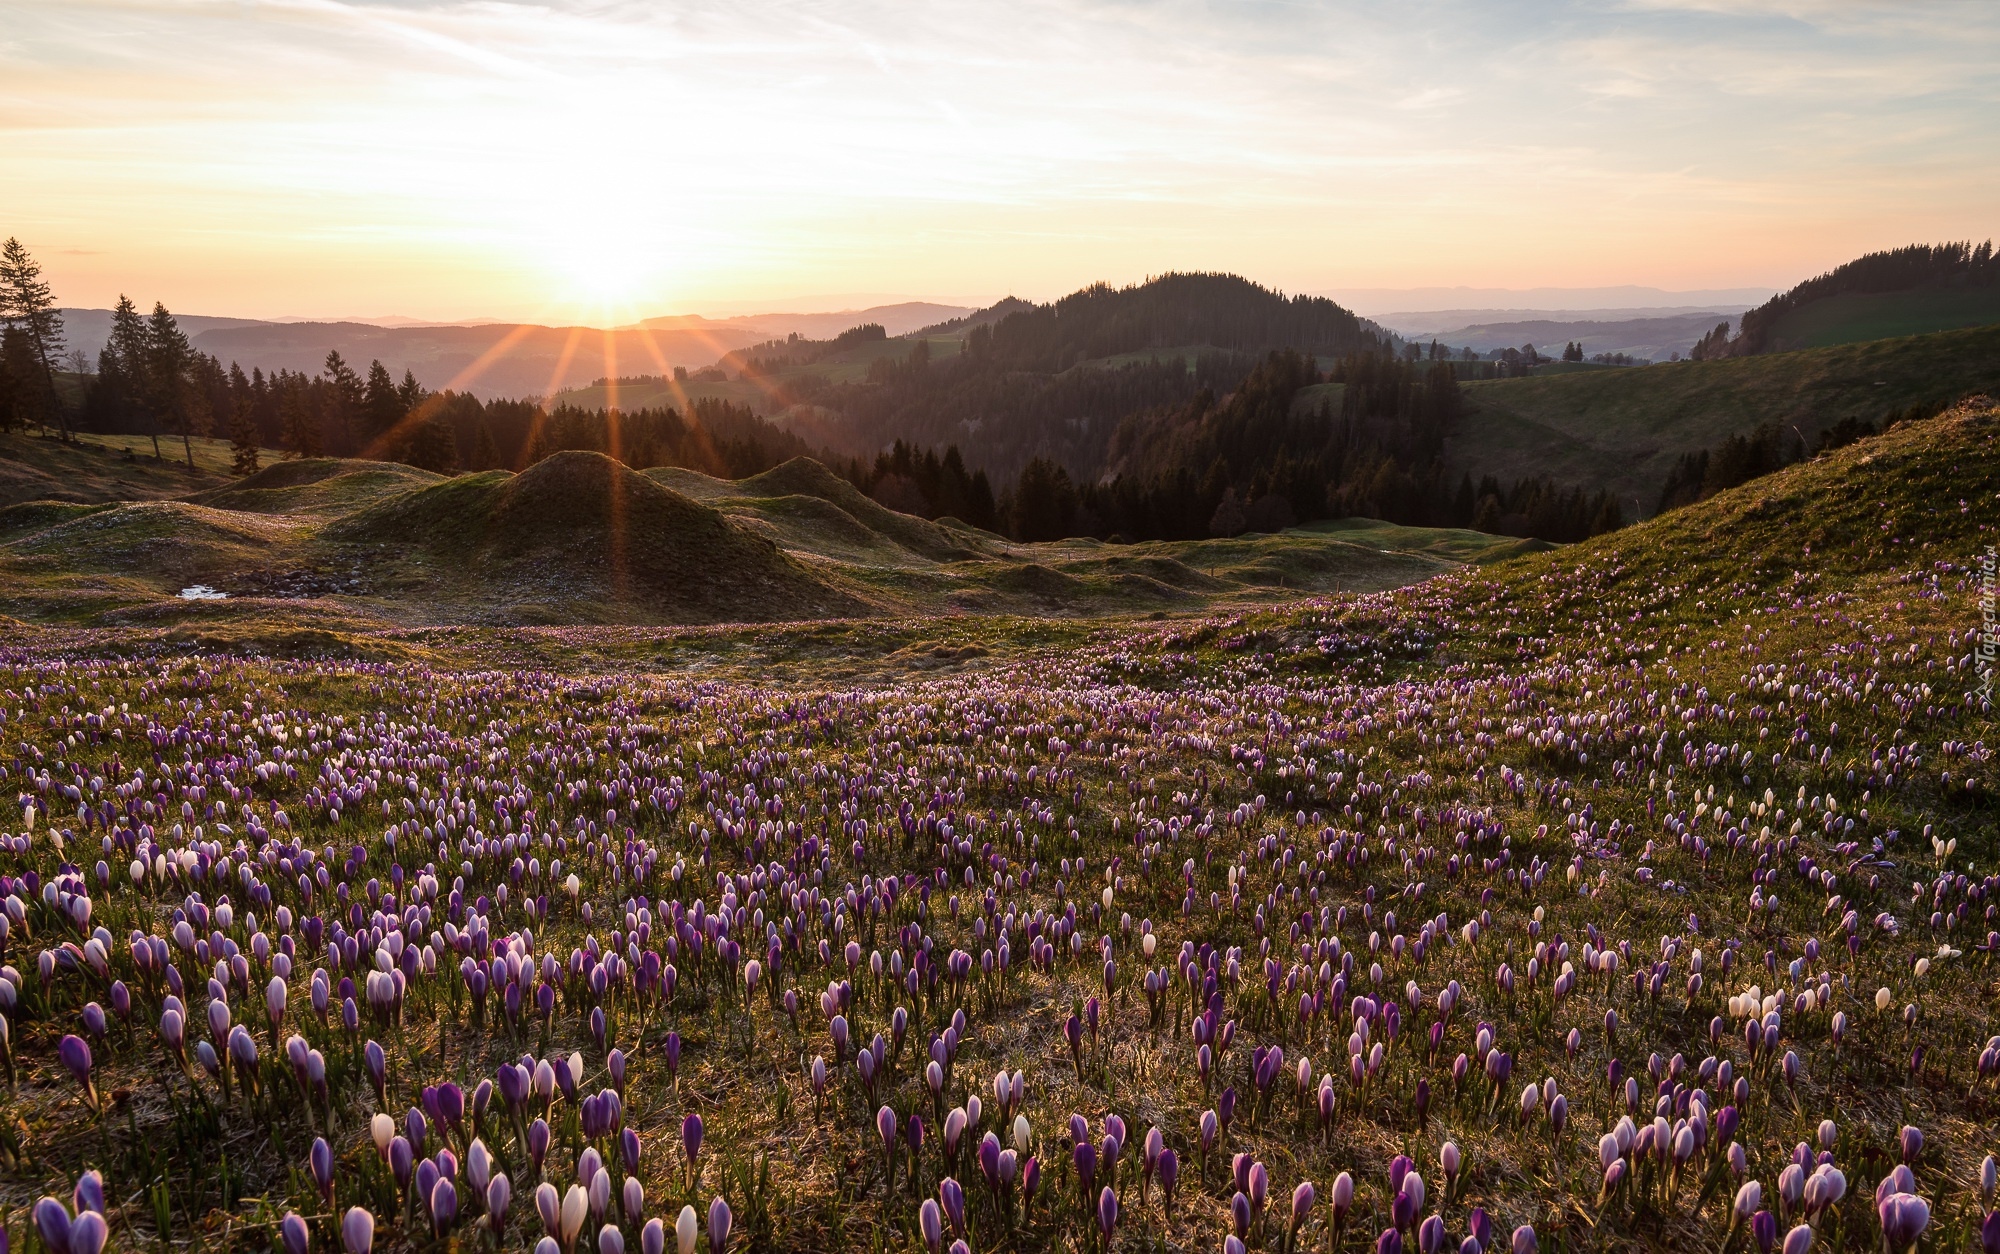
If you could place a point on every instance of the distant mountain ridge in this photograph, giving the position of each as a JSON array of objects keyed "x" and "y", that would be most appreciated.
[
  {"x": 494, "y": 359},
  {"x": 1644, "y": 339}
]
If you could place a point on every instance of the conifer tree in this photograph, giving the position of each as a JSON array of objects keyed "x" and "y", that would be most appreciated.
[
  {"x": 173, "y": 396},
  {"x": 296, "y": 417},
  {"x": 29, "y": 306},
  {"x": 242, "y": 423}
]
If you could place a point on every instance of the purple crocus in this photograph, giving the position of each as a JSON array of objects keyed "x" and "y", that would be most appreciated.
[
  {"x": 74, "y": 1052},
  {"x": 293, "y": 1234},
  {"x": 320, "y": 1159},
  {"x": 718, "y": 1226},
  {"x": 930, "y": 1223},
  {"x": 691, "y": 1146},
  {"x": 52, "y": 1222},
  {"x": 88, "y": 1233},
  {"x": 1904, "y": 1217},
  {"x": 357, "y": 1230}
]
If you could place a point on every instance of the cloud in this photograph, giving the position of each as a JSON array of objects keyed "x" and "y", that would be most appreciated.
[{"x": 730, "y": 146}]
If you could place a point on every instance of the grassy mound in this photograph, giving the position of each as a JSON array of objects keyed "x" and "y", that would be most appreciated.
[
  {"x": 802, "y": 476},
  {"x": 691, "y": 483},
  {"x": 579, "y": 532},
  {"x": 31, "y": 516},
  {"x": 319, "y": 485}
]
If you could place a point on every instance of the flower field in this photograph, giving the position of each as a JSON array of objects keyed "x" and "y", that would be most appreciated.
[{"x": 1638, "y": 895}]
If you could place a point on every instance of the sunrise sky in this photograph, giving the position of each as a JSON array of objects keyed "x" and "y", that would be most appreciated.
[{"x": 606, "y": 160}]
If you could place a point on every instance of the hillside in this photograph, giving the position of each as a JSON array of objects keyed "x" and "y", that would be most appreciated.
[
  {"x": 1623, "y": 429},
  {"x": 105, "y": 468},
  {"x": 353, "y": 545},
  {"x": 1646, "y": 339},
  {"x": 1903, "y": 291}
]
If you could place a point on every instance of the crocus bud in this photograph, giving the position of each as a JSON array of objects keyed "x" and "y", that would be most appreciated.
[
  {"x": 357, "y": 1230},
  {"x": 718, "y": 1226}
]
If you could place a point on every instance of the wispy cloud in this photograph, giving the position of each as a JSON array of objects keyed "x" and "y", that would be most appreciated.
[{"x": 460, "y": 156}]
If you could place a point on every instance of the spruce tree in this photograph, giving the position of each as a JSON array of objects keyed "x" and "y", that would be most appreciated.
[
  {"x": 383, "y": 411},
  {"x": 173, "y": 395},
  {"x": 345, "y": 399},
  {"x": 28, "y": 305},
  {"x": 296, "y": 416},
  {"x": 242, "y": 423}
]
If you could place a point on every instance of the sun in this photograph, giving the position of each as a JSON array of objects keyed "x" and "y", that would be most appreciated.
[{"x": 608, "y": 272}]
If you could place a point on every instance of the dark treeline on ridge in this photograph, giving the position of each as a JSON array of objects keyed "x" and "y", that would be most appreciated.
[
  {"x": 149, "y": 381},
  {"x": 1201, "y": 432}
]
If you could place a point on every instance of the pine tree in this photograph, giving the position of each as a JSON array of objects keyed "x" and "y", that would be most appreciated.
[
  {"x": 27, "y": 304},
  {"x": 21, "y": 394},
  {"x": 345, "y": 397},
  {"x": 242, "y": 423},
  {"x": 382, "y": 409},
  {"x": 296, "y": 416},
  {"x": 174, "y": 397},
  {"x": 1228, "y": 518}
]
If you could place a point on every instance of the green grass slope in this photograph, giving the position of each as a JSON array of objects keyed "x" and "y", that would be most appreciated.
[
  {"x": 97, "y": 468},
  {"x": 1623, "y": 429},
  {"x": 327, "y": 486},
  {"x": 1888, "y": 526},
  {"x": 1855, "y": 317}
]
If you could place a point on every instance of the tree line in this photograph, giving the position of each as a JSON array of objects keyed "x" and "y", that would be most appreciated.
[{"x": 1281, "y": 448}]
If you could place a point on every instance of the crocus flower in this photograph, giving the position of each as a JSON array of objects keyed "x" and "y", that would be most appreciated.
[
  {"x": 88, "y": 1233},
  {"x": 52, "y": 1222},
  {"x": 718, "y": 1226},
  {"x": 293, "y": 1234},
  {"x": 1904, "y": 1217},
  {"x": 357, "y": 1230},
  {"x": 74, "y": 1052}
]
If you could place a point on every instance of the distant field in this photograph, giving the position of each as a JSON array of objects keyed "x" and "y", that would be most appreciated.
[
  {"x": 1858, "y": 317},
  {"x": 1623, "y": 429}
]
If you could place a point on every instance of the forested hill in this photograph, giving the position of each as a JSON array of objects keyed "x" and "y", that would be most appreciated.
[
  {"x": 1174, "y": 310},
  {"x": 1055, "y": 381}
]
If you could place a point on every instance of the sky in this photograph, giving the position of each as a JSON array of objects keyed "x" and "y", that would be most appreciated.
[{"x": 603, "y": 160}]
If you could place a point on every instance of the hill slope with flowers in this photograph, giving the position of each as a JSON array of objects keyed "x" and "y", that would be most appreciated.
[{"x": 1636, "y": 895}]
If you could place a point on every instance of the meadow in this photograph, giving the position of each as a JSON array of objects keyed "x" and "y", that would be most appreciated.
[{"x": 1632, "y": 895}]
